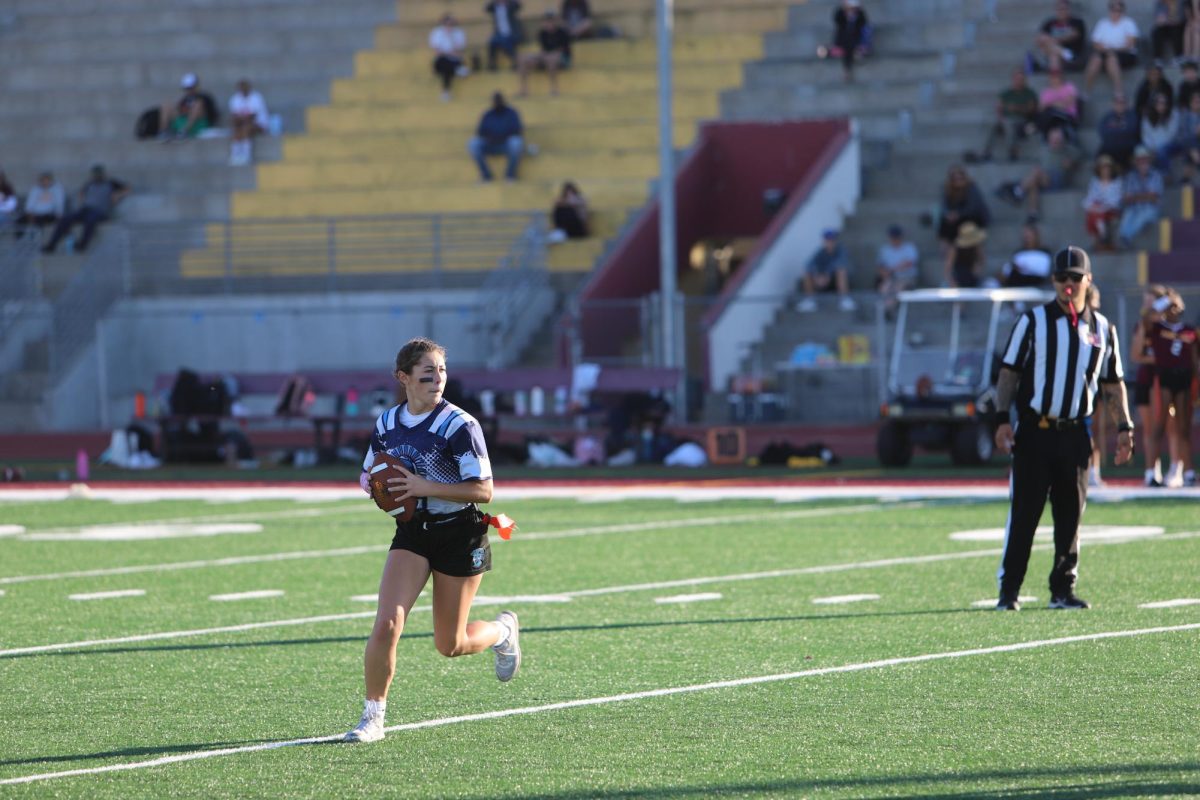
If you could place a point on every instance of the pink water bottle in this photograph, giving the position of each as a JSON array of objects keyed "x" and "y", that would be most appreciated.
[{"x": 81, "y": 464}]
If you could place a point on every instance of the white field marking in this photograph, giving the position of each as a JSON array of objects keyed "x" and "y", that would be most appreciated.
[
  {"x": 1087, "y": 533},
  {"x": 364, "y": 598},
  {"x": 107, "y": 595},
  {"x": 840, "y": 599},
  {"x": 891, "y": 562},
  {"x": 134, "y": 533},
  {"x": 1025, "y": 598},
  {"x": 1182, "y": 601},
  {"x": 354, "y": 551},
  {"x": 620, "y": 698},
  {"x": 689, "y": 598},
  {"x": 501, "y": 600},
  {"x": 258, "y": 594},
  {"x": 11, "y": 530}
]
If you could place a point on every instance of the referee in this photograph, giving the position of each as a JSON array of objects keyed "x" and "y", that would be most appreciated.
[{"x": 1057, "y": 357}]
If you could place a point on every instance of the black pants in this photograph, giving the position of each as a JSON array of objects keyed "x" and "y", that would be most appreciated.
[
  {"x": 446, "y": 68},
  {"x": 1047, "y": 462}
]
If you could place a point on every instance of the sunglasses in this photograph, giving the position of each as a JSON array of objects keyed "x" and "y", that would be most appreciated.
[{"x": 1063, "y": 277}]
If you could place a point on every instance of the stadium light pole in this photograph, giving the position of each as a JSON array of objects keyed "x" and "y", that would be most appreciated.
[{"x": 665, "y": 18}]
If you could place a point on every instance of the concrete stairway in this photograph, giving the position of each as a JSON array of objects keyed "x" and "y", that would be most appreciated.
[{"x": 926, "y": 97}]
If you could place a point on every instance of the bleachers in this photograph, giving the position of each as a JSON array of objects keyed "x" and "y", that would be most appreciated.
[{"x": 387, "y": 144}]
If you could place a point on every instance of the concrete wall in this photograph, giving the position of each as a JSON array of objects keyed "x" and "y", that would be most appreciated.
[{"x": 143, "y": 338}]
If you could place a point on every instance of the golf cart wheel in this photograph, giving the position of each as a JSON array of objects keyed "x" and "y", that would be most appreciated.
[
  {"x": 972, "y": 445},
  {"x": 893, "y": 445}
]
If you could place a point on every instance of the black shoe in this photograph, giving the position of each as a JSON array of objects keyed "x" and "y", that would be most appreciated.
[
  {"x": 1008, "y": 603},
  {"x": 1069, "y": 601}
]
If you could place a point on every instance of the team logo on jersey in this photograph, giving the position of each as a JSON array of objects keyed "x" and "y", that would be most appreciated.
[{"x": 477, "y": 556}]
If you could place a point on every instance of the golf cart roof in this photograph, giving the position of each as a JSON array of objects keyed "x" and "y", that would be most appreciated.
[{"x": 1023, "y": 295}]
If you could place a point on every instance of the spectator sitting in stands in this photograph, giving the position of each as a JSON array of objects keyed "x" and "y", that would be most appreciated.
[
  {"x": 1057, "y": 162},
  {"x": 851, "y": 37},
  {"x": 961, "y": 202},
  {"x": 577, "y": 16},
  {"x": 97, "y": 199},
  {"x": 965, "y": 261},
  {"x": 570, "y": 214},
  {"x": 1189, "y": 85},
  {"x": 828, "y": 270},
  {"x": 448, "y": 42},
  {"x": 1102, "y": 204},
  {"x": 248, "y": 115},
  {"x": 1160, "y": 129},
  {"x": 9, "y": 202},
  {"x": 45, "y": 204},
  {"x": 1016, "y": 111},
  {"x": 1140, "y": 198},
  {"x": 1114, "y": 46},
  {"x": 506, "y": 30},
  {"x": 896, "y": 266},
  {"x": 1030, "y": 264},
  {"x": 1188, "y": 142},
  {"x": 499, "y": 133},
  {"x": 1119, "y": 132},
  {"x": 1155, "y": 83},
  {"x": 1058, "y": 106},
  {"x": 1061, "y": 41},
  {"x": 192, "y": 114},
  {"x": 1168, "y": 28},
  {"x": 553, "y": 54}
]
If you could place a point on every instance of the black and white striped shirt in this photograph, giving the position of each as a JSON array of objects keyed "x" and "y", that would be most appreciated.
[{"x": 1062, "y": 364}]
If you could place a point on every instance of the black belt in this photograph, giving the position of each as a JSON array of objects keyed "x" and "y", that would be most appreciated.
[
  {"x": 427, "y": 521},
  {"x": 1050, "y": 422}
]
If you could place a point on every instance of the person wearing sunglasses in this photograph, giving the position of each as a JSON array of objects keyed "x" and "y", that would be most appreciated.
[{"x": 1058, "y": 358}]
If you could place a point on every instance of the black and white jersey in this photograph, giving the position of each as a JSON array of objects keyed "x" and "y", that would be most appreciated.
[
  {"x": 1062, "y": 361},
  {"x": 446, "y": 445}
]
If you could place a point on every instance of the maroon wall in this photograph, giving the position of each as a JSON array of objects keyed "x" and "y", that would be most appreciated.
[{"x": 718, "y": 192}]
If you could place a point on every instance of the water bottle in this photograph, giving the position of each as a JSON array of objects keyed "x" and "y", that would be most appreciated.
[
  {"x": 537, "y": 401},
  {"x": 560, "y": 401},
  {"x": 487, "y": 402},
  {"x": 81, "y": 464},
  {"x": 520, "y": 406}
]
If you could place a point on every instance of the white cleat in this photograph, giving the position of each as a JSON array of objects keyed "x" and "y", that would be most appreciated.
[
  {"x": 508, "y": 655},
  {"x": 369, "y": 729}
]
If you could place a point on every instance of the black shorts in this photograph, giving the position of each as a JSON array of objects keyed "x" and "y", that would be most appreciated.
[
  {"x": 1143, "y": 386},
  {"x": 1175, "y": 380},
  {"x": 454, "y": 544}
]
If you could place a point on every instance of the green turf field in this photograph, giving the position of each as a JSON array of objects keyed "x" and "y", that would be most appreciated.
[{"x": 916, "y": 693}]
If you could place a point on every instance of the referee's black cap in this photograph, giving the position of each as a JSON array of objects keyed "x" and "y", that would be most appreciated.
[{"x": 1072, "y": 259}]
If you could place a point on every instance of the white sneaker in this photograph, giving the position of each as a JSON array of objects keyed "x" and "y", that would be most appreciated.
[
  {"x": 1094, "y": 478},
  {"x": 807, "y": 305},
  {"x": 1175, "y": 476},
  {"x": 508, "y": 655},
  {"x": 369, "y": 729},
  {"x": 847, "y": 303}
]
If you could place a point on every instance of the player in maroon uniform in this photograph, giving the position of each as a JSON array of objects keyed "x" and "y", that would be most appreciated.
[
  {"x": 1152, "y": 424},
  {"x": 1176, "y": 357}
]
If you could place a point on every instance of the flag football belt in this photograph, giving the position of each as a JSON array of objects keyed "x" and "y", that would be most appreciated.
[
  {"x": 431, "y": 522},
  {"x": 1050, "y": 422}
]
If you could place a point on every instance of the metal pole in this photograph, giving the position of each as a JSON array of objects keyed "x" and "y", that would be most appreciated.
[{"x": 666, "y": 187}]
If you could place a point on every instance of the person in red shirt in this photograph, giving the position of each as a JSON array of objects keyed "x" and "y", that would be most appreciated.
[
  {"x": 1142, "y": 354},
  {"x": 1176, "y": 357}
]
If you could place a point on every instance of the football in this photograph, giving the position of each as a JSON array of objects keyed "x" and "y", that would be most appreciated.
[{"x": 382, "y": 468}]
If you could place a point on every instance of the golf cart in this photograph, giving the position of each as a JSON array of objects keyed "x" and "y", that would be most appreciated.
[{"x": 940, "y": 386}]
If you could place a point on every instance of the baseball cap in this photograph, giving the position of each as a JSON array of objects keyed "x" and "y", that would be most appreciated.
[
  {"x": 895, "y": 231},
  {"x": 1141, "y": 151},
  {"x": 1072, "y": 259},
  {"x": 188, "y": 81},
  {"x": 829, "y": 233}
]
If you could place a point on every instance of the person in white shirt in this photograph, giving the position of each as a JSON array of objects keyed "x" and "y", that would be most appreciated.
[
  {"x": 896, "y": 266},
  {"x": 248, "y": 115},
  {"x": 46, "y": 202},
  {"x": 1114, "y": 46},
  {"x": 448, "y": 42}
]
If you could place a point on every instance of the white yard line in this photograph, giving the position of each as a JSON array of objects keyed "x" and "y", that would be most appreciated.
[
  {"x": 1182, "y": 601},
  {"x": 603, "y": 590},
  {"x": 679, "y": 522},
  {"x": 258, "y": 594},
  {"x": 689, "y": 598},
  {"x": 840, "y": 599},
  {"x": 618, "y": 698},
  {"x": 107, "y": 595}
]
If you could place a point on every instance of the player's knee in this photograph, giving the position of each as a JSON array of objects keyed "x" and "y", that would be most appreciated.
[
  {"x": 451, "y": 646},
  {"x": 388, "y": 629}
]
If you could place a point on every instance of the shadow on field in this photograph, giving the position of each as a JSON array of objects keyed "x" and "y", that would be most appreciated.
[
  {"x": 611, "y": 626},
  {"x": 159, "y": 750},
  {"x": 1090, "y": 781}
]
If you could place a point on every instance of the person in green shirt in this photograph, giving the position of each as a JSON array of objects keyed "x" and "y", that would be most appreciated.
[{"x": 1015, "y": 112}]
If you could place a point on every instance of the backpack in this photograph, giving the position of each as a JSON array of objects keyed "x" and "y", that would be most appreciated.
[{"x": 147, "y": 124}]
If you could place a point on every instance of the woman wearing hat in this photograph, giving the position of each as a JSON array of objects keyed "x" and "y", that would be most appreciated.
[
  {"x": 1102, "y": 203},
  {"x": 964, "y": 261}
]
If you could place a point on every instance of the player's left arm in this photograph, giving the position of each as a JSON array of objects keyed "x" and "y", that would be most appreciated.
[{"x": 410, "y": 484}]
